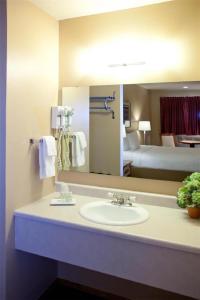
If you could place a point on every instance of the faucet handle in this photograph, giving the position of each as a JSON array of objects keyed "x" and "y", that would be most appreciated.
[
  {"x": 110, "y": 194},
  {"x": 132, "y": 198},
  {"x": 114, "y": 197}
]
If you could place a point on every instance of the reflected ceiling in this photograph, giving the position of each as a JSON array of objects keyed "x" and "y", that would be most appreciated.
[{"x": 173, "y": 86}]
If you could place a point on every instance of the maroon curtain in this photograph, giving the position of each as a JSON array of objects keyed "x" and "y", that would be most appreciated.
[{"x": 180, "y": 115}]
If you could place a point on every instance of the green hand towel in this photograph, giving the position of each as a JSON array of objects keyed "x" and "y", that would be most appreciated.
[{"x": 65, "y": 152}]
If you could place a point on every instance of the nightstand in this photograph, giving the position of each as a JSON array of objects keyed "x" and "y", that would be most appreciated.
[{"x": 127, "y": 168}]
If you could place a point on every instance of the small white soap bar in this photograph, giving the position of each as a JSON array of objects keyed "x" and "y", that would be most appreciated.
[{"x": 62, "y": 202}]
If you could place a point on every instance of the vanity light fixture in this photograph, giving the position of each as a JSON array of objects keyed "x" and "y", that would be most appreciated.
[
  {"x": 185, "y": 87},
  {"x": 136, "y": 63}
]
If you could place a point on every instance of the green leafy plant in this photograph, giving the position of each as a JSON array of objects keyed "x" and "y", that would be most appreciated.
[{"x": 189, "y": 193}]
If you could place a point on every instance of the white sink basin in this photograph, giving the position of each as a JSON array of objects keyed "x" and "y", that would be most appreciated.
[{"x": 104, "y": 212}]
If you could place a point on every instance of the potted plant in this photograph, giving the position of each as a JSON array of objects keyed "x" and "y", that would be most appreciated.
[{"x": 189, "y": 195}]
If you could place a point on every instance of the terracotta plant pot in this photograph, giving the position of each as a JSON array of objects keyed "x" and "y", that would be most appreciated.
[{"x": 194, "y": 212}]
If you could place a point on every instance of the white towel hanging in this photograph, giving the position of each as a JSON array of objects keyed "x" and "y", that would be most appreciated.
[
  {"x": 79, "y": 144},
  {"x": 47, "y": 155}
]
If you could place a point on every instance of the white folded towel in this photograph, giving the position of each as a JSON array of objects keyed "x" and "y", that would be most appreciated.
[
  {"x": 82, "y": 139},
  {"x": 47, "y": 155},
  {"x": 50, "y": 144},
  {"x": 79, "y": 144}
]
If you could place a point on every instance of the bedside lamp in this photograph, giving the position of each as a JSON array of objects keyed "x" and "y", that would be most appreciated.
[
  {"x": 127, "y": 123},
  {"x": 144, "y": 126}
]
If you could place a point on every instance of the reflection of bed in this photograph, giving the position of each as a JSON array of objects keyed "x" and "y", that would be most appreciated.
[
  {"x": 156, "y": 158},
  {"x": 165, "y": 158}
]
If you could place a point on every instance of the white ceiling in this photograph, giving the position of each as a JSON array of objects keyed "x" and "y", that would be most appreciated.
[{"x": 65, "y": 9}]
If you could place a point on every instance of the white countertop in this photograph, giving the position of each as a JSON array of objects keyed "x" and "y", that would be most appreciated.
[{"x": 166, "y": 227}]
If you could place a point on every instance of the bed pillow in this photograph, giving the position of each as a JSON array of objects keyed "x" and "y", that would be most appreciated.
[
  {"x": 126, "y": 144},
  {"x": 133, "y": 140}
]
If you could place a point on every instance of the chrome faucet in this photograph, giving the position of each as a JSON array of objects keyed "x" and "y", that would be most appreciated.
[{"x": 121, "y": 199}]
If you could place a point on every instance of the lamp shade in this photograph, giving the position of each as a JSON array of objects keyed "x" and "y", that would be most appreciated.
[
  {"x": 144, "y": 126},
  {"x": 127, "y": 123}
]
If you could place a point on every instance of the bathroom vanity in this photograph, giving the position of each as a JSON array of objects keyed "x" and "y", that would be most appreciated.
[{"x": 163, "y": 251}]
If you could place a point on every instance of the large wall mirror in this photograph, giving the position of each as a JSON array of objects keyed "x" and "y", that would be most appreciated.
[{"x": 138, "y": 130}]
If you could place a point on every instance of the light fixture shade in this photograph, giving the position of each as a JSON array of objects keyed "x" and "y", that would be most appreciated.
[
  {"x": 144, "y": 125},
  {"x": 123, "y": 131}
]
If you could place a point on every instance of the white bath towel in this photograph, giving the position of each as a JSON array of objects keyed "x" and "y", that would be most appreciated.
[
  {"x": 82, "y": 140},
  {"x": 50, "y": 144},
  {"x": 47, "y": 155},
  {"x": 79, "y": 144}
]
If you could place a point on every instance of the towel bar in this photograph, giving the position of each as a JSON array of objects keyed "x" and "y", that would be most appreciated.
[{"x": 35, "y": 141}]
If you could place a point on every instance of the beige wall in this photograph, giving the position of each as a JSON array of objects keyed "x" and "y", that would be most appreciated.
[
  {"x": 32, "y": 87},
  {"x": 120, "y": 182},
  {"x": 155, "y": 109},
  {"x": 78, "y": 99},
  {"x": 2, "y": 143},
  {"x": 140, "y": 108},
  {"x": 105, "y": 133},
  {"x": 163, "y": 35}
]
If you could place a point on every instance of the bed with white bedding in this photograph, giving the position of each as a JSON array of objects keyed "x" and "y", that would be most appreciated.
[
  {"x": 164, "y": 158},
  {"x": 158, "y": 162}
]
